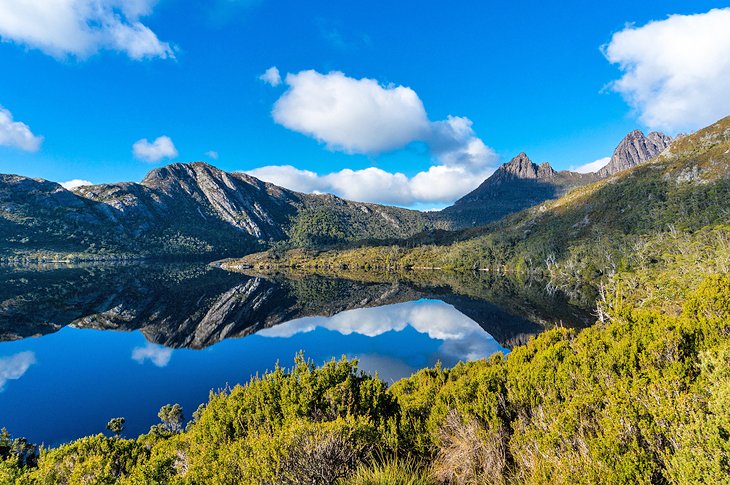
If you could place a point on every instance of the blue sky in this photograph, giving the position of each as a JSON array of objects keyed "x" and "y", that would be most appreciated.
[{"x": 529, "y": 76}]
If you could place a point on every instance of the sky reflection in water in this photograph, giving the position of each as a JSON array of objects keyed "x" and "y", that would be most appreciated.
[{"x": 69, "y": 383}]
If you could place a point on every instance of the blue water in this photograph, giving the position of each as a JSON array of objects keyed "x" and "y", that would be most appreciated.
[{"x": 69, "y": 383}]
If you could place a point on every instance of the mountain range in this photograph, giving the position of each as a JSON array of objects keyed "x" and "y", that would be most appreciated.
[
  {"x": 520, "y": 183},
  {"x": 650, "y": 215},
  {"x": 197, "y": 210}
]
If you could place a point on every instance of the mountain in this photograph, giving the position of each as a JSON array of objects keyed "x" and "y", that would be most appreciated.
[
  {"x": 635, "y": 149},
  {"x": 191, "y": 209},
  {"x": 520, "y": 183},
  {"x": 197, "y": 210},
  {"x": 658, "y": 213},
  {"x": 514, "y": 186}
]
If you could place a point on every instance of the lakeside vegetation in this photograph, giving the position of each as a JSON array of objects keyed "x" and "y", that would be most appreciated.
[{"x": 640, "y": 397}]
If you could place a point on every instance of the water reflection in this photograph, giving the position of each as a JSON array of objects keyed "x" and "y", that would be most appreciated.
[
  {"x": 195, "y": 306},
  {"x": 156, "y": 354},
  {"x": 462, "y": 337},
  {"x": 125, "y": 340},
  {"x": 14, "y": 366}
]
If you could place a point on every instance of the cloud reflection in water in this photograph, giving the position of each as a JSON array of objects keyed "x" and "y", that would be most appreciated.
[
  {"x": 462, "y": 338},
  {"x": 14, "y": 366},
  {"x": 158, "y": 355}
]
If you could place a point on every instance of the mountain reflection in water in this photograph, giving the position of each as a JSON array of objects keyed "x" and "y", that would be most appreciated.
[{"x": 173, "y": 334}]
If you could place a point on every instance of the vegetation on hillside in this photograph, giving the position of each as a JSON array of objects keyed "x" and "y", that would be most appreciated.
[{"x": 619, "y": 224}]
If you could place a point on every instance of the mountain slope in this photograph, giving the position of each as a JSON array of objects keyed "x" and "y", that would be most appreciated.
[
  {"x": 675, "y": 206},
  {"x": 182, "y": 210},
  {"x": 514, "y": 186}
]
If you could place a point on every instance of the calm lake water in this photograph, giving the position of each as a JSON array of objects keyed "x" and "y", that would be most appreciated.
[{"x": 81, "y": 345}]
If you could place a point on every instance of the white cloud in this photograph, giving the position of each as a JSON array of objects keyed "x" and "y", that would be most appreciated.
[
  {"x": 366, "y": 117},
  {"x": 271, "y": 76},
  {"x": 440, "y": 184},
  {"x": 454, "y": 143},
  {"x": 161, "y": 148},
  {"x": 14, "y": 366},
  {"x": 16, "y": 134},
  {"x": 590, "y": 167},
  {"x": 352, "y": 115},
  {"x": 676, "y": 71},
  {"x": 158, "y": 355},
  {"x": 72, "y": 184},
  {"x": 82, "y": 27},
  {"x": 212, "y": 154}
]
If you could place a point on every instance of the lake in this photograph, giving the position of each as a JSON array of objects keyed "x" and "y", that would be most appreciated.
[{"x": 80, "y": 345}]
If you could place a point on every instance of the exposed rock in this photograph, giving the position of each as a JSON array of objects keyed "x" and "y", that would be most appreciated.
[
  {"x": 635, "y": 149},
  {"x": 180, "y": 209}
]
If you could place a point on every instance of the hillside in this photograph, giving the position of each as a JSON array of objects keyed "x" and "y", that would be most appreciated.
[
  {"x": 632, "y": 218},
  {"x": 182, "y": 210}
]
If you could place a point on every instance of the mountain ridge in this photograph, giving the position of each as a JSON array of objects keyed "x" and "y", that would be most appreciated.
[
  {"x": 515, "y": 185},
  {"x": 197, "y": 210},
  {"x": 183, "y": 209},
  {"x": 581, "y": 236}
]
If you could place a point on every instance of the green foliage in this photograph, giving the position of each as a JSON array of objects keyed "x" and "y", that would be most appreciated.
[
  {"x": 316, "y": 227},
  {"x": 94, "y": 459},
  {"x": 172, "y": 419},
  {"x": 391, "y": 471},
  {"x": 116, "y": 426}
]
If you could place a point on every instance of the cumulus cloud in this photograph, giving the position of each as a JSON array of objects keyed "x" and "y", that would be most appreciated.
[
  {"x": 82, "y": 27},
  {"x": 212, "y": 154},
  {"x": 440, "y": 184},
  {"x": 351, "y": 115},
  {"x": 72, "y": 184},
  {"x": 16, "y": 134},
  {"x": 594, "y": 166},
  {"x": 675, "y": 71},
  {"x": 14, "y": 366},
  {"x": 153, "y": 152},
  {"x": 158, "y": 355},
  {"x": 271, "y": 76},
  {"x": 365, "y": 117}
]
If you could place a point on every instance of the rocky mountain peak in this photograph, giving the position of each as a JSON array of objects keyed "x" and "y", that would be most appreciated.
[
  {"x": 634, "y": 149},
  {"x": 523, "y": 168},
  {"x": 181, "y": 172}
]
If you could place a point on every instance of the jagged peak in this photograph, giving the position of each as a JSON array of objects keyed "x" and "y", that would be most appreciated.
[
  {"x": 522, "y": 167},
  {"x": 634, "y": 149}
]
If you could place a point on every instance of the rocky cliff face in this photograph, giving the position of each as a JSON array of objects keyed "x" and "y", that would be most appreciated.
[
  {"x": 514, "y": 186},
  {"x": 178, "y": 210},
  {"x": 635, "y": 149}
]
